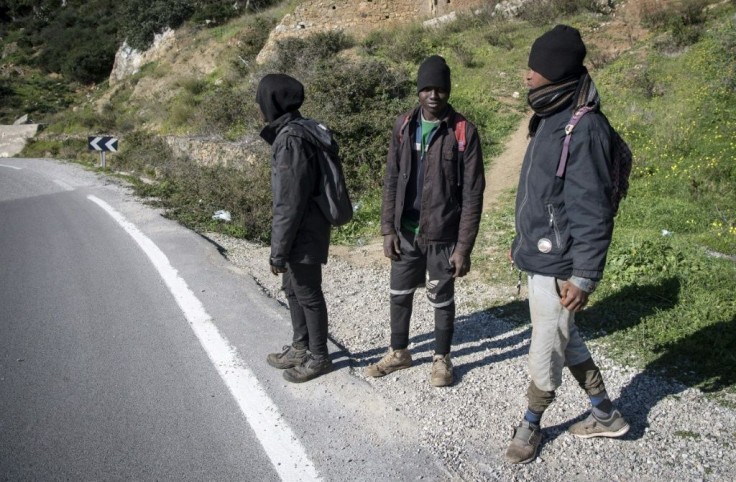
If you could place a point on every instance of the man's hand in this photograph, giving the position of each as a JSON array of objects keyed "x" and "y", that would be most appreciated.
[
  {"x": 572, "y": 297},
  {"x": 391, "y": 246},
  {"x": 460, "y": 265},
  {"x": 277, "y": 270}
]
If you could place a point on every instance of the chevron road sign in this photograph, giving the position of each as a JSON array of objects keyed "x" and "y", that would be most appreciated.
[{"x": 103, "y": 144}]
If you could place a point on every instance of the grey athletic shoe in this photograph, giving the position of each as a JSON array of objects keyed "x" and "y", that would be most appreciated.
[
  {"x": 392, "y": 361},
  {"x": 289, "y": 357},
  {"x": 525, "y": 441},
  {"x": 441, "y": 374},
  {"x": 311, "y": 368},
  {"x": 613, "y": 426}
]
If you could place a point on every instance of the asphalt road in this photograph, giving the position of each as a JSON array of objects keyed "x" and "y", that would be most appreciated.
[{"x": 130, "y": 349}]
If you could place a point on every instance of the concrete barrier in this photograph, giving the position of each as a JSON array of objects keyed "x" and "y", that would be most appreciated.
[{"x": 13, "y": 138}]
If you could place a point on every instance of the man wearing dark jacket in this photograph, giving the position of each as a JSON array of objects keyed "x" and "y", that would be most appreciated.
[
  {"x": 563, "y": 229},
  {"x": 300, "y": 233},
  {"x": 432, "y": 201}
]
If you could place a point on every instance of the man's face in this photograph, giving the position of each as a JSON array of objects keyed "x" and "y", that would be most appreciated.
[
  {"x": 534, "y": 80},
  {"x": 433, "y": 101}
]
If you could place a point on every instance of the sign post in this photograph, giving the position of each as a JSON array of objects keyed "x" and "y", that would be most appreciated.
[{"x": 103, "y": 144}]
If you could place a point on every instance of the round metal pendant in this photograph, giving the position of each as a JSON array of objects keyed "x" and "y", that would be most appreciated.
[{"x": 544, "y": 245}]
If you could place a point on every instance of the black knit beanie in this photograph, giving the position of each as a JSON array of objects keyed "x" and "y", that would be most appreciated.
[
  {"x": 434, "y": 72},
  {"x": 278, "y": 94},
  {"x": 558, "y": 54}
]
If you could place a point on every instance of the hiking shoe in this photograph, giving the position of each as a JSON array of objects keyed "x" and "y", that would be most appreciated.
[
  {"x": 310, "y": 368},
  {"x": 613, "y": 426},
  {"x": 525, "y": 440},
  {"x": 441, "y": 374},
  {"x": 289, "y": 357},
  {"x": 392, "y": 361}
]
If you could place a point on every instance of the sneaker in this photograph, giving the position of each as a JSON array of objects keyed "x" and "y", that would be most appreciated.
[
  {"x": 392, "y": 361},
  {"x": 311, "y": 368},
  {"x": 289, "y": 357},
  {"x": 525, "y": 440},
  {"x": 613, "y": 426},
  {"x": 441, "y": 374}
]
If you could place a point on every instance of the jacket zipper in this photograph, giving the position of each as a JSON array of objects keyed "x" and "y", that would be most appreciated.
[{"x": 526, "y": 188}]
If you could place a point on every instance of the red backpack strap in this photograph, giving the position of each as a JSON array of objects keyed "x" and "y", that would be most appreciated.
[
  {"x": 406, "y": 121},
  {"x": 568, "y": 135},
  {"x": 460, "y": 125}
]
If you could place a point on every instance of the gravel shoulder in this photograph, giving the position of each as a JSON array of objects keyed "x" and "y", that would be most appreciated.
[{"x": 678, "y": 433}]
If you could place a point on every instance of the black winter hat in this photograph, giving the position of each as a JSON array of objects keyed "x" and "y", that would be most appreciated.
[
  {"x": 558, "y": 54},
  {"x": 434, "y": 72},
  {"x": 278, "y": 94}
]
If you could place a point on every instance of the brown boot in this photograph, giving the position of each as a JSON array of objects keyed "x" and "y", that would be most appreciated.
[
  {"x": 392, "y": 361},
  {"x": 441, "y": 375},
  {"x": 289, "y": 357}
]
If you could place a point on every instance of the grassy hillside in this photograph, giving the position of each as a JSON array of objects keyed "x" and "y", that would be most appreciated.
[{"x": 667, "y": 77}]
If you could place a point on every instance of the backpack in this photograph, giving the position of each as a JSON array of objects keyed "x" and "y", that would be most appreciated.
[
  {"x": 332, "y": 198},
  {"x": 459, "y": 124},
  {"x": 621, "y": 159}
]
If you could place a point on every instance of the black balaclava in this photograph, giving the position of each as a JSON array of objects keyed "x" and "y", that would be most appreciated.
[
  {"x": 434, "y": 72},
  {"x": 558, "y": 54},
  {"x": 278, "y": 94}
]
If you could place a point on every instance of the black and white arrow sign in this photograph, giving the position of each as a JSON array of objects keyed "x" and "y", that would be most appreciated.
[{"x": 103, "y": 144}]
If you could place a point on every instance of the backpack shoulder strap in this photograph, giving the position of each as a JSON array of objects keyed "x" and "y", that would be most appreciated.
[
  {"x": 460, "y": 125},
  {"x": 403, "y": 124},
  {"x": 568, "y": 135}
]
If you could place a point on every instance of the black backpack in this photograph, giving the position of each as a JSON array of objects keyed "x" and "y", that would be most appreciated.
[
  {"x": 621, "y": 159},
  {"x": 333, "y": 198}
]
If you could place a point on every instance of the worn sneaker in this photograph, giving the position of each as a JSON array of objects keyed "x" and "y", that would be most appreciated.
[
  {"x": 392, "y": 361},
  {"x": 525, "y": 440},
  {"x": 309, "y": 369},
  {"x": 613, "y": 426},
  {"x": 289, "y": 357},
  {"x": 441, "y": 374}
]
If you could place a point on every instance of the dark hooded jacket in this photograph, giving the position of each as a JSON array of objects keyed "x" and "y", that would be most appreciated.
[
  {"x": 564, "y": 225},
  {"x": 300, "y": 233}
]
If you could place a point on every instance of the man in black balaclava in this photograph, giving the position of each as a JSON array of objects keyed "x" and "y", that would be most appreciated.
[
  {"x": 300, "y": 233},
  {"x": 432, "y": 200},
  {"x": 564, "y": 223}
]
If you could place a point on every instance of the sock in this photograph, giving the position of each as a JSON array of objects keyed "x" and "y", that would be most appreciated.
[
  {"x": 532, "y": 417},
  {"x": 602, "y": 405}
]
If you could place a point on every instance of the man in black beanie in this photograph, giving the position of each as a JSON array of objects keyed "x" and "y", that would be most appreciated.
[
  {"x": 300, "y": 233},
  {"x": 564, "y": 223},
  {"x": 432, "y": 201}
]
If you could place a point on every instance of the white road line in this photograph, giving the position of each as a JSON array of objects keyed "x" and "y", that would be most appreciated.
[
  {"x": 63, "y": 185},
  {"x": 279, "y": 442},
  {"x": 12, "y": 167}
]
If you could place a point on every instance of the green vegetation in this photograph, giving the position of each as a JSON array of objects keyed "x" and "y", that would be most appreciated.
[{"x": 668, "y": 298}]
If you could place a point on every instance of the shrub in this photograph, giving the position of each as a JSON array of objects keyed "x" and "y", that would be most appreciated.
[
  {"x": 140, "y": 20},
  {"x": 359, "y": 101},
  {"x": 295, "y": 54},
  {"x": 191, "y": 194},
  {"x": 545, "y": 12}
]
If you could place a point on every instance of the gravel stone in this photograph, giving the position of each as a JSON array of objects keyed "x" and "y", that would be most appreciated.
[{"x": 677, "y": 432}]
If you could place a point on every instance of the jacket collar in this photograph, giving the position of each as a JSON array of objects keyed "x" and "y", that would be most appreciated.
[
  {"x": 271, "y": 131},
  {"x": 446, "y": 118}
]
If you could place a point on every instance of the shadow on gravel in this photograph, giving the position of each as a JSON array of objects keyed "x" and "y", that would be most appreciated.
[
  {"x": 682, "y": 359},
  {"x": 711, "y": 374},
  {"x": 474, "y": 333}
]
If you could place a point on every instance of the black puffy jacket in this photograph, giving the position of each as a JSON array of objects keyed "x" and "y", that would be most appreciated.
[
  {"x": 300, "y": 233},
  {"x": 564, "y": 225}
]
